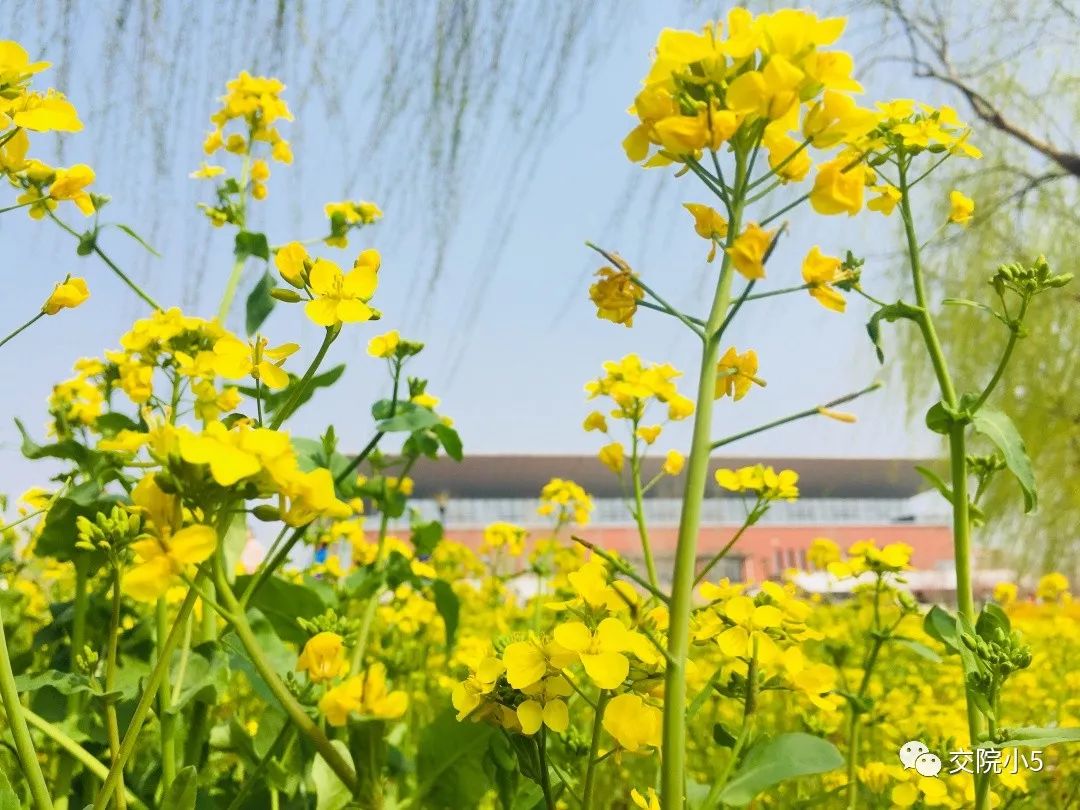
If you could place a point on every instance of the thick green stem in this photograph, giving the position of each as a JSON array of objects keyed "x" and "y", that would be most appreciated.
[
  {"x": 293, "y": 709},
  {"x": 594, "y": 749},
  {"x": 146, "y": 701},
  {"x": 24, "y": 745},
  {"x": 166, "y": 719},
  {"x": 230, "y": 288},
  {"x": 78, "y": 753},
  {"x": 673, "y": 771},
  {"x": 112, "y": 726},
  {"x": 965, "y": 600}
]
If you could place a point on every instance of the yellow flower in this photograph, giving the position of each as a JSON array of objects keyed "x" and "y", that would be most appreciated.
[
  {"x": 234, "y": 359},
  {"x": 292, "y": 262},
  {"x": 673, "y": 462},
  {"x": 469, "y": 694},
  {"x": 886, "y": 201},
  {"x": 768, "y": 93},
  {"x": 70, "y": 184},
  {"x": 708, "y": 224},
  {"x": 748, "y": 251},
  {"x": 612, "y": 457},
  {"x": 546, "y": 706},
  {"x": 1052, "y": 587},
  {"x": 323, "y": 658},
  {"x": 68, "y": 294},
  {"x": 220, "y": 449},
  {"x": 505, "y": 535},
  {"x": 601, "y": 652},
  {"x": 821, "y": 272},
  {"x": 365, "y": 695},
  {"x": 837, "y": 191},
  {"x": 649, "y": 433},
  {"x": 648, "y": 801},
  {"x": 822, "y": 551},
  {"x": 1005, "y": 593},
  {"x": 527, "y": 662},
  {"x": 782, "y": 147},
  {"x": 615, "y": 295},
  {"x": 342, "y": 297},
  {"x": 426, "y": 400},
  {"x": 736, "y": 373},
  {"x": 632, "y": 722},
  {"x": 961, "y": 207},
  {"x": 46, "y": 113},
  {"x": 384, "y": 345},
  {"x": 595, "y": 421},
  {"x": 206, "y": 171},
  {"x": 163, "y": 551},
  {"x": 763, "y": 480}
]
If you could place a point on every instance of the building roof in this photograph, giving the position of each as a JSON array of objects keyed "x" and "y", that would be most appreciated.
[{"x": 522, "y": 476}]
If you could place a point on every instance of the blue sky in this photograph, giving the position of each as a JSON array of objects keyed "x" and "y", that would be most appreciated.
[{"x": 510, "y": 366}]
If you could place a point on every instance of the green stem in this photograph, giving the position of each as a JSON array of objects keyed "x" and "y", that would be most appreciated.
[
  {"x": 285, "y": 698},
  {"x": 965, "y": 600},
  {"x": 17, "y": 206},
  {"x": 720, "y": 554},
  {"x": 545, "y": 777},
  {"x": 1006, "y": 355},
  {"x": 108, "y": 263},
  {"x": 594, "y": 748},
  {"x": 23, "y": 328},
  {"x": 24, "y": 745},
  {"x": 673, "y": 771},
  {"x": 166, "y": 720},
  {"x": 301, "y": 386},
  {"x": 78, "y": 753},
  {"x": 815, "y": 411},
  {"x": 146, "y": 701},
  {"x": 231, "y": 286},
  {"x": 112, "y": 725},
  {"x": 639, "y": 515}
]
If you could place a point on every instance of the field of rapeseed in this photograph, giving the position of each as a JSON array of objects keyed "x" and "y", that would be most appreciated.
[{"x": 144, "y": 662}]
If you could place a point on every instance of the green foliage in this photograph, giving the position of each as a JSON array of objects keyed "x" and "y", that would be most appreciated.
[
  {"x": 259, "y": 303},
  {"x": 771, "y": 762}
]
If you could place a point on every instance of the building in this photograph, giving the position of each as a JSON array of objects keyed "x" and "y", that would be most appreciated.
[{"x": 842, "y": 499}]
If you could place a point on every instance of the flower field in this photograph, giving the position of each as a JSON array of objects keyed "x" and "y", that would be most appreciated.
[{"x": 147, "y": 661}]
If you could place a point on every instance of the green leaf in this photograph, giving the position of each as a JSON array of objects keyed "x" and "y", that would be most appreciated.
[
  {"x": 183, "y": 791},
  {"x": 722, "y": 737},
  {"x": 282, "y": 603},
  {"x": 991, "y": 618},
  {"x": 1038, "y": 737},
  {"x": 941, "y": 418},
  {"x": 449, "y": 607},
  {"x": 251, "y": 244},
  {"x": 967, "y": 302},
  {"x": 330, "y": 792},
  {"x": 450, "y": 440},
  {"x": 425, "y": 536},
  {"x": 449, "y": 763},
  {"x": 9, "y": 799},
  {"x": 259, "y": 304},
  {"x": 777, "y": 760},
  {"x": 999, "y": 429},
  {"x": 918, "y": 648},
  {"x": 206, "y": 677},
  {"x": 59, "y": 534},
  {"x": 68, "y": 449},
  {"x": 890, "y": 313},
  {"x": 940, "y": 625},
  {"x": 66, "y": 683},
  {"x": 409, "y": 418},
  {"x": 130, "y": 232}
]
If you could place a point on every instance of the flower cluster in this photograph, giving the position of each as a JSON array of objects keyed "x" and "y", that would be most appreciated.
[
  {"x": 361, "y": 696},
  {"x": 333, "y": 297},
  {"x": 24, "y": 110}
]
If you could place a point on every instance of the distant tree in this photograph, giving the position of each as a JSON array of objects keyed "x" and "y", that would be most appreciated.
[{"x": 1015, "y": 71}]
